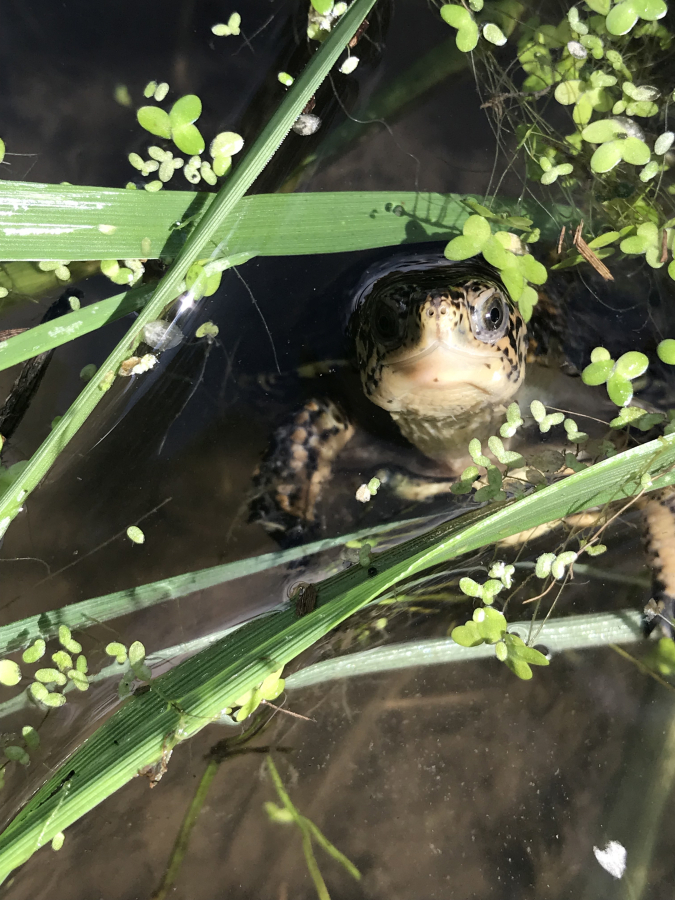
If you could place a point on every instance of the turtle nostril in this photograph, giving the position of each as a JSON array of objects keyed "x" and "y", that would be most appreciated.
[
  {"x": 444, "y": 310},
  {"x": 430, "y": 313}
]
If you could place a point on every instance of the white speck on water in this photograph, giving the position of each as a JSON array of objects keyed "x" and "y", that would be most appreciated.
[{"x": 612, "y": 858}]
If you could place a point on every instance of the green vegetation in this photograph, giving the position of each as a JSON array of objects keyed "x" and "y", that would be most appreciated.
[{"x": 619, "y": 175}]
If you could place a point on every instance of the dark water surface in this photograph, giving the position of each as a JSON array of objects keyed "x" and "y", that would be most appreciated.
[{"x": 441, "y": 782}]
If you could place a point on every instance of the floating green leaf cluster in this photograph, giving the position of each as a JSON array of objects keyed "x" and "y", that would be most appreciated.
[
  {"x": 617, "y": 375},
  {"x": 503, "y": 250},
  {"x": 489, "y": 626},
  {"x": 178, "y": 125}
]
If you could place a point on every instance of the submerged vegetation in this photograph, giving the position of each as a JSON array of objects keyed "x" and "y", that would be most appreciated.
[{"x": 610, "y": 175}]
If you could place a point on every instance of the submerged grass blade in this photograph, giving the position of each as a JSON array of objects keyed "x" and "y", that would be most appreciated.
[
  {"x": 203, "y": 241},
  {"x": 569, "y": 633},
  {"x": 187, "y": 698},
  {"x": 20, "y": 634}
]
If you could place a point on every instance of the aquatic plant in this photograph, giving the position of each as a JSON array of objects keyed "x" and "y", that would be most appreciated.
[{"x": 583, "y": 64}]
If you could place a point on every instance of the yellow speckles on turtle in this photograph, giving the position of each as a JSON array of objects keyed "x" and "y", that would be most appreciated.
[{"x": 292, "y": 475}]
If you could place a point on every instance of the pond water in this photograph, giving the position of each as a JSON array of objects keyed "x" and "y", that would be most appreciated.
[{"x": 447, "y": 781}]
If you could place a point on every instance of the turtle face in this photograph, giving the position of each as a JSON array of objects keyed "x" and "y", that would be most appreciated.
[{"x": 435, "y": 349}]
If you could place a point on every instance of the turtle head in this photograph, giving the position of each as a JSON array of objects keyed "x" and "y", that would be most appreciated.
[{"x": 439, "y": 340}]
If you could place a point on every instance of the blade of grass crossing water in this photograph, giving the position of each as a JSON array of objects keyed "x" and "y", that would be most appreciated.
[
  {"x": 184, "y": 700},
  {"x": 199, "y": 243}
]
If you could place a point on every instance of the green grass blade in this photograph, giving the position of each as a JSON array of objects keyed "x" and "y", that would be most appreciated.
[
  {"x": 73, "y": 325},
  {"x": 185, "y": 699},
  {"x": 198, "y": 244},
  {"x": 266, "y": 224}
]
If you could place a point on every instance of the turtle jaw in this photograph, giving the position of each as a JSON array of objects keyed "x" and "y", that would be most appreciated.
[{"x": 442, "y": 381}]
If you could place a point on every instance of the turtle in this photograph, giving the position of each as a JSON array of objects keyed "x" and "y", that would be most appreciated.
[{"x": 442, "y": 348}]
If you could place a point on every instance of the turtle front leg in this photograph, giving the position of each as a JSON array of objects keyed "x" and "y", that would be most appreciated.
[{"x": 296, "y": 468}]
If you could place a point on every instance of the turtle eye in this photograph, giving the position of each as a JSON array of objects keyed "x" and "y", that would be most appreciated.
[{"x": 489, "y": 316}]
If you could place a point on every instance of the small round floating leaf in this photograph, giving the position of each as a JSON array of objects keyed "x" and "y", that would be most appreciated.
[
  {"x": 494, "y": 34},
  {"x": 207, "y": 328},
  {"x": 561, "y": 563},
  {"x": 35, "y": 652},
  {"x": 153, "y": 186},
  {"x": 538, "y": 410},
  {"x": 79, "y": 679},
  {"x": 533, "y": 270},
  {"x": 66, "y": 640},
  {"x": 161, "y": 91},
  {"x": 221, "y": 165},
  {"x": 606, "y": 157},
  {"x": 456, "y": 16},
  {"x": 603, "y": 130},
  {"x": 10, "y": 673},
  {"x": 118, "y": 650},
  {"x": 286, "y": 79},
  {"x": 62, "y": 660},
  {"x": 208, "y": 174},
  {"x": 17, "y": 754},
  {"x": 651, "y": 170},
  {"x": 568, "y": 92},
  {"x": 664, "y": 142},
  {"x": 650, "y": 10},
  {"x": 467, "y": 635},
  {"x": 57, "y": 841},
  {"x": 349, "y": 65},
  {"x": 149, "y": 89},
  {"x": 462, "y": 247},
  {"x": 135, "y": 534},
  {"x": 635, "y": 244},
  {"x": 519, "y": 668},
  {"x": 635, "y": 151},
  {"x": 81, "y": 664},
  {"x": 621, "y": 18},
  {"x": 666, "y": 351},
  {"x": 496, "y": 255},
  {"x": 154, "y": 120},
  {"x": 477, "y": 229},
  {"x": 50, "y": 676},
  {"x": 188, "y": 138},
  {"x": 597, "y": 372},
  {"x": 227, "y": 143},
  {"x": 136, "y": 653},
  {"x": 38, "y": 691},
  {"x": 631, "y": 365},
  {"x": 470, "y": 587},
  {"x": 596, "y": 549},
  {"x": 185, "y": 111},
  {"x": 31, "y": 737},
  {"x": 467, "y": 37},
  {"x": 620, "y": 390},
  {"x": 53, "y": 700}
]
